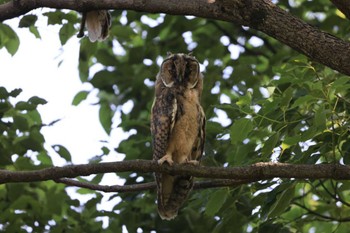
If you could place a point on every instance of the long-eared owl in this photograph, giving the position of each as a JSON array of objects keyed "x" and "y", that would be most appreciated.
[{"x": 177, "y": 127}]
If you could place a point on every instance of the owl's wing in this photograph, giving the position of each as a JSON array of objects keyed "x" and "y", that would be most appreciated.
[
  {"x": 97, "y": 24},
  {"x": 163, "y": 115},
  {"x": 162, "y": 122},
  {"x": 198, "y": 150}
]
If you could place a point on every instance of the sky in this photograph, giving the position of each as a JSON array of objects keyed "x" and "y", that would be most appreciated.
[{"x": 35, "y": 69}]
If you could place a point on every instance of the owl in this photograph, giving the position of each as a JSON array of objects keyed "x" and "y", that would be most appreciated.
[
  {"x": 177, "y": 127},
  {"x": 98, "y": 24}
]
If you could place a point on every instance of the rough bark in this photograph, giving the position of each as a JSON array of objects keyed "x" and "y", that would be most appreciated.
[
  {"x": 259, "y": 171},
  {"x": 261, "y": 15}
]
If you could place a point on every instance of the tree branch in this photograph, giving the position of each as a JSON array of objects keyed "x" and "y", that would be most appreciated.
[
  {"x": 150, "y": 185},
  {"x": 108, "y": 188},
  {"x": 261, "y": 15},
  {"x": 258, "y": 171}
]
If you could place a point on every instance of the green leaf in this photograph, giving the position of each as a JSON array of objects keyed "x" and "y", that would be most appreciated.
[
  {"x": 79, "y": 97},
  {"x": 15, "y": 92},
  {"x": 54, "y": 17},
  {"x": 29, "y": 143},
  {"x": 287, "y": 97},
  {"x": 35, "y": 32},
  {"x": 21, "y": 105},
  {"x": 27, "y": 21},
  {"x": 87, "y": 50},
  {"x": 303, "y": 100},
  {"x": 44, "y": 158},
  {"x": 63, "y": 152},
  {"x": 4, "y": 107},
  {"x": 105, "y": 150},
  {"x": 346, "y": 152},
  {"x": 282, "y": 202},
  {"x": 215, "y": 202},
  {"x": 320, "y": 118},
  {"x": 37, "y": 100},
  {"x": 105, "y": 57},
  {"x": 9, "y": 39},
  {"x": 97, "y": 179},
  {"x": 245, "y": 100},
  {"x": 66, "y": 32},
  {"x": 240, "y": 130},
  {"x": 21, "y": 122},
  {"x": 104, "y": 80},
  {"x": 106, "y": 115},
  {"x": 270, "y": 144},
  {"x": 3, "y": 93}
]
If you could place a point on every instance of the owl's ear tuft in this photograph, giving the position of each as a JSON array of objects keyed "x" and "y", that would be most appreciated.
[
  {"x": 169, "y": 53},
  {"x": 190, "y": 54}
]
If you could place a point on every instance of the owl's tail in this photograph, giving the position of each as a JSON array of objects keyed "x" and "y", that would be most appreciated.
[
  {"x": 97, "y": 24},
  {"x": 172, "y": 193}
]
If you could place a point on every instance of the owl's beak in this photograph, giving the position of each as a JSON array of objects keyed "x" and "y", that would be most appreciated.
[
  {"x": 180, "y": 77},
  {"x": 180, "y": 70}
]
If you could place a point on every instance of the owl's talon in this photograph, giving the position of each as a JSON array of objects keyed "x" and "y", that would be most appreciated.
[
  {"x": 166, "y": 158},
  {"x": 193, "y": 162}
]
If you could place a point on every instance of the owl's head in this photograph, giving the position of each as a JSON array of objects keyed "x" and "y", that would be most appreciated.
[{"x": 180, "y": 70}]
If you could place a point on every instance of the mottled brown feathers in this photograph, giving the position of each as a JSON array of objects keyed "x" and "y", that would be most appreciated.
[
  {"x": 98, "y": 24},
  {"x": 177, "y": 126}
]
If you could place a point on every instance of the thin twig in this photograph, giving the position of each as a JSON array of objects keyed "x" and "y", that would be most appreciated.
[
  {"x": 82, "y": 25},
  {"x": 333, "y": 195},
  {"x": 150, "y": 185},
  {"x": 321, "y": 215}
]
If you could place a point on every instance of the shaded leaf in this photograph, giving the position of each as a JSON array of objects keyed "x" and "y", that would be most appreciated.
[
  {"x": 66, "y": 32},
  {"x": 21, "y": 122},
  {"x": 63, "y": 152},
  {"x": 105, "y": 115},
  {"x": 215, "y": 202},
  {"x": 270, "y": 144},
  {"x": 240, "y": 130},
  {"x": 282, "y": 202},
  {"x": 9, "y": 39},
  {"x": 79, "y": 97},
  {"x": 27, "y": 21}
]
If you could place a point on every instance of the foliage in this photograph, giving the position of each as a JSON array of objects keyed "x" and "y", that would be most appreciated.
[{"x": 266, "y": 104}]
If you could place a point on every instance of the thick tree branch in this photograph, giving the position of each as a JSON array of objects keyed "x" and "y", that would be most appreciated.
[
  {"x": 150, "y": 185},
  {"x": 262, "y": 15},
  {"x": 259, "y": 171}
]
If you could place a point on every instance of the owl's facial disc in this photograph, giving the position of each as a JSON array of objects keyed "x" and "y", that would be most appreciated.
[
  {"x": 167, "y": 84},
  {"x": 167, "y": 73}
]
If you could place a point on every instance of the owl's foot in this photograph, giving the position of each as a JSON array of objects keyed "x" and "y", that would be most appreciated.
[
  {"x": 193, "y": 162},
  {"x": 166, "y": 158}
]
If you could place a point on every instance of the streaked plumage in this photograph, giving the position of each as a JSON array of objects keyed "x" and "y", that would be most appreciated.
[
  {"x": 98, "y": 24},
  {"x": 177, "y": 126}
]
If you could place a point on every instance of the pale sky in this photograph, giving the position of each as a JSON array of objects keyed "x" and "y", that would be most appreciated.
[{"x": 34, "y": 68}]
